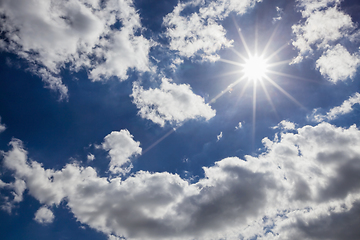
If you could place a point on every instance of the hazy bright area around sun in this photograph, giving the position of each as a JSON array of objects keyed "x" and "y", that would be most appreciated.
[
  {"x": 192, "y": 120},
  {"x": 255, "y": 68}
]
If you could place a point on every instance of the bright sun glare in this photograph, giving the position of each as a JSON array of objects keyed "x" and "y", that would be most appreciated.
[{"x": 255, "y": 68}]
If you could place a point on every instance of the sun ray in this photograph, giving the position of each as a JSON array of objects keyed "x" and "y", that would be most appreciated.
[
  {"x": 239, "y": 54},
  {"x": 268, "y": 97},
  {"x": 159, "y": 140},
  {"x": 230, "y": 86},
  {"x": 277, "y": 51},
  {"x": 284, "y": 92},
  {"x": 242, "y": 38},
  {"x": 254, "y": 112},
  {"x": 292, "y": 76},
  {"x": 256, "y": 39},
  {"x": 279, "y": 63},
  {"x": 270, "y": 40},
  {"x": 231, "y": 62}
]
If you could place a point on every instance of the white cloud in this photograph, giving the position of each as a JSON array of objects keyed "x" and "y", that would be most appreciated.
[
  {"x": 170, "y": 103},
  {"x": 344, "y": 108},
  {"x": 218, "y": 137},
  {"x": 121, "y": 147},
  {"x": 310, "y": 6},
  {"x": 2, "y": 127},
  {"x": 44, "y": 215},
  {"x": 17, "y": 189},
  {"x": 239, "y": 126},
  {"x": 50, "y": 34},
  {"x": 338, "y": 64},
  {"x": 200, "y": 33},
  {"x": 280, "y": 12},
  {"x": 286, "y": 125},
  {"x": 303, "y": 176},
  {"x": 322, "y": 27},
  {"x": 90, "y": 157}
]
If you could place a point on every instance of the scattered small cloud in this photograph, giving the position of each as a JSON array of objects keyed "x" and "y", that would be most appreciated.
[
  {"x": 280, "y": 12},
  {"x": 44, "y": 215},
  {"x": 2, "y": 126},
  {"x": 239, "y": 126},
  {"x": 90, "y": 157},
  {"x": 218, "y": 137}
]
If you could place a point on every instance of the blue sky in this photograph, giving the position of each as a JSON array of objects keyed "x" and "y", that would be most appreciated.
[{"x": 226, "y": 119}]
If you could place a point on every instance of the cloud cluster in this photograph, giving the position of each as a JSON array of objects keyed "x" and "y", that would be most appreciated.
[
  {"x": 170, "y": 103},
  {"x": 200, "y": 32},
  {"x": 325, "y": 25},
  {"x": 82, "y": 33},
  {"x": 345, "y": 108},
  {"x": 303, "y": 180}
]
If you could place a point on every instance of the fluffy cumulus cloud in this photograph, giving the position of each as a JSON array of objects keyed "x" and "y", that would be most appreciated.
[
  {"x": 81, "y": 33},
  {"x": 200, "y": 33},
  {"x": 345, "y": 108},
  {"x": 121, "y": 147},
  {"x": 44, "y": 215},
  {"x": 323, "y": 27},
  {"x": 170, "y": 103},
  {"x": 304, "y": 181},
  {"x": 338, "y": 64}
]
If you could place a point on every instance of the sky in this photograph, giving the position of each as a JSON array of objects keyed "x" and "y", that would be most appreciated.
[{"x": 197, "y": 119}]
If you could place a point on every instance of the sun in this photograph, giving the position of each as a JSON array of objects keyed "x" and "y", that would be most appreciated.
[{"x": 255, "y": 68}]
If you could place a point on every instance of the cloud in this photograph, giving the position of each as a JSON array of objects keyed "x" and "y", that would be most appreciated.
[
  {"x": 17, "y": 189},
  {"x": 300, "y": 179},
  {"x": 280, "y": 13},
  {"x": 310, "y": 6},
  {"x": 50, "y": 34},
  {"x": 324, "y": 25},
  {"x": 344, "y": 108},
  {"x": 2, "y": 127},
  {"x": 218, "y": 137},
  {"x": 199, "y": 32},
  {"x": 90, "y": 157},
  {"x": 121, "y": 147},
  {"x": 239, "y": 126},
  {"x": 338, "y": 64},
  {"x": 286, "y": 125},
  {"x": 170, "y": 103},
  {"x": 335, "y": 225},
  {"x": 44, "y": 216}
]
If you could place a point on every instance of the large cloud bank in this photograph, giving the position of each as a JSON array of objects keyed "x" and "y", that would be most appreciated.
[{"x": 306, "y": 179}]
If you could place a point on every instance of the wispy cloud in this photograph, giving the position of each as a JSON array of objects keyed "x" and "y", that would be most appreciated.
[{"x": 345, "y": 108}]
